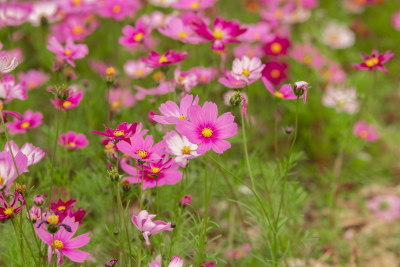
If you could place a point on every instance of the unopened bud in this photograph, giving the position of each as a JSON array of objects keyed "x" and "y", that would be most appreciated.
[
  {"x": 173, "y": 225},
  {"x": 300, "y": 88},
  {"x": 38, "y": 200},
  {"x": 63, "y": 92},
  {"x": 150, "y": 116},
  {"x": 114, "y": 175},
  {"x": 20, "y": 188},
  {"x": 289, "y": 130},
  {"x": 116, "y": 231},
  {"x": 111, "y": 263},
  {"x": 126, "y": 185}
]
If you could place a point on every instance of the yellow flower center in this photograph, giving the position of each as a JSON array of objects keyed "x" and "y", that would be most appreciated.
[
  {"x": 307, "y": 59},
  {"x": 341, "y": 103},
  {"x": 53, "y": 219},
  {"x": 142, "y": 153},
  {"x": 363, "y": 134},
  {"x": 110, "y": 71},
  {"x": 155, "y": 170},
  {"x": 1, "y": 105},
  {"x": 32, "y": 85},
  {"x": 278, "y": 14},
  {"x": 77, "y": 29},
  {"x": 76, "y": 2},
  {"x": 9, "y": 211},
  {"x": 158, "y": 76},
  {"x": 66, "y": 104},
  {"x": 62, "y": 207},
  {"x": 194, "y": 5},
  {"x": 182, "y": 35},
  {"x": 256, "y": 36},
  {"x": 275, "y": 73},
  {"x": 115, "y": 105},
  {"x": 1, "y": 180},
  {"x": 278, "y": 95},
  {"x": 72, "y": 144},
  {"x": 246, "y": 73},
  {"x": 333, "y": 38},
  {"x": 207, "y": 132},
  {"x": 68, "y": 52},
  {"x": 186, "y": 150},
  {"x": 58, "y": 244},
  {"x": 119, "y": 133},
  {"x": 371, "y": 62},
  {"x": 218, "y": 34},
  {"x": 137, "y": 37},
  {"x": 116, "y": 9},
  {"x": 139, "y": 73},
  {"x": 162, "y": 59},
  {"x": 182, "y": 117},
  {"x": 276, "y": 48},
  {"x": 25, "y": 125}
]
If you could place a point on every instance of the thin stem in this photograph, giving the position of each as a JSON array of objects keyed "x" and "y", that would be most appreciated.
[
  {"x": 141, "y": 187},
  {"x": 27, "y": 242},
  {"x": 157, "y": 196},
  {"x": 54, "y": 154},
  {"x": 19, "y": 242},
  {"x": 204, "y": 232},
  {"x": 54, "y": 254},
  {"x": 121, "y": 210},
  {"x": 276, "y": 134},
  {"x": 245, "y": 150},
  {"x": 108, "y": 102},
  {"x": 139, "y": 253}
]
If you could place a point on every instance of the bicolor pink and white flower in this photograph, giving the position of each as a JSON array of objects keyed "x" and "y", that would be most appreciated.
[
  {"x": 180, "y": 147},
  {"x": 73, "y": 141},
  {"x": 145, "y": 224},
  {"x": 10, "y": 90},
  {"x": 34, "y": 214},
  {"x": 365, "y": 131},
  {"x": 246, "y": 69},
  {"x": 8, "y": 62},
  {"x": 137, "y": 69},
  {"x": 185, "y": 79},
  {"x": 34, "y": 154},
  {"x": 230, "y": 81},
  {"x": 69, "y": 52},
  {"x": 28, "y": 121},
  {"x": 8, "y": 172},
  {"x": 171, "y": 113}
]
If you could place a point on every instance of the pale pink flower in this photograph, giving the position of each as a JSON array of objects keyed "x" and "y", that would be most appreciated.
[
  {"x": 248, "y": 50},
  {"x": 185, "y": 79},
  {"x": 28, "y": 121},
  {"x": 193, "y": 5},
  {"x": 171, "y": 113},
  {"x": 8, "y": 172},
  {"x": 33, "y": 154},
  {"x": 178, "y": 30},
  {"x": 385, "y": 207},
  {"x": 137, "y": 69},
  {"x": 10, "y": 90},
  {"x": 230, "y": 81},
  {"x": 135, "y": 35},
  {"x": 42, "y": 9},
  {"x": 73, "y": 141},
  {"x": 162, "y": 89},
  {"x": 144, "y": 223},
  {"x": 247, "y": 70},
  {"x": 340, "y": 98},
  {"x": 286, "y": 91},
  {"x": 121, "y": 98},
  {"x": 307, "y": 54},
  {"x": 365, "y": 131},
  {"x": 8, "y": 62},
  {"x": 118, "y": 9},
  {"x": 33, "y": 79},
  {"x": 141, "y": 148},
  {"x": 69, "y": 52},
  {"x": 396, "y": 20},
  {"x": 260, "y": 32},
  {"x": 338, "y": 35},
  {"x": 180, "y": 147},
  {"x": 205, "y": 75}
]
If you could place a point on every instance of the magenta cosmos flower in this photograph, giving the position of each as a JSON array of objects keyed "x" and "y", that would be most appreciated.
[
  {"x": 144, "y": 222},
  {"x": 73, "y": 141},
  {"x": 276, "y": 47},
  {"x": 275, "y": 72},
  {"x": 141, "y": 148},
  {"x": 63, "y": 243},
  {"x": 286, "y": 91},
  {"x": 124, "y": 131},
  {"x": 246, "y": 69},
  {"x": 71, "y": 102},
  {"x": 10, "y": 210},
  {"x": 171, "y": 57},
  {"x": 176, "y": 29},
  {"x": 365, "y": 131},
  {"x": 206, "y": 129},
  {"x": 386, "y": 207},
  {"x": 193, "y": 4},
  {"x": 375, "y": 61},
  {"x": 28, "y": 121},
  {"x": 171, "y": 113},
  {"x": 69, "y": 52},
  {"x": 33, "y": 79},
  {"x": 135, "y": 35},
  {"x": 223, "y": 32}
]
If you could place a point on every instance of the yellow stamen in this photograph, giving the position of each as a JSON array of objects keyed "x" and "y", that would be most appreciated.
[
  {"x": 66, "y": 104},
  {"x": 276, "y": 48},
  {"x": 182, "y": 117},
  {"x": 371, "y": 62},
  {"x": 207, "y": 132},
  {"x": 119, "y": 133},
  {"x": 307, "y": 59},
  {"x": 182, "y": 35},
  {"x": 115, "y": 105},
  {"x": 246, "y": 73},
  {"x": 76, "y": 2},
  {"x": 72, "y": 144},
  {"x": 256, "y": 36},
  {"x": 363, "y": 134},
  {"x": 155, "y": 170},
  {"x": 77, "y": 29},
  {"x": 194, "y": 5},
  {"x": 279, "y": 95},
  {"x": 32, "y": 85},
  {"x": 68, "y": 52},
  {"x": 58, "y": 244},
  {"x": 25, "y": 125},
  {"x": 218, "y": 34},
  {"x": 181, "y": 79},
  {"x": 139, "y": 73},
  {"x": 341, "y": 103},
  {"x": 275, "y": 73},
  {"x": 186, "y": 150},
  {"x": 1, "y": 180},
  {"x": 116, "y": 9},
  {"x": 163, "y": 59},
  {"x": 9, "y": 211},
  {"x": 62, "y": 208},
  {"x": 138, "y": 37},
  {"x": 158, "y": 76},
  {"x": 278, "y": 14},
  {"x": 110, "y": 71},
  {"x": 53, "y": 219},
  {"x": 142, "y": 153}
]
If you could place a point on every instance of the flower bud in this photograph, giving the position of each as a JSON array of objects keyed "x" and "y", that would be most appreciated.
[
  {"x": 185, "y": 200},
  {"x": 20, "y": 188},
  {"x": 116, "y": 231},
  {"x": 289, "y": 130},
  {"x": 300, "y": 89},
  {"x": 114, "y": 175},
  {"x": 63, "y": 92},
  {"x": 110, "y": 75},
  {"x": 151, "y": 115},
  {"x": 126, "y": 185},
  {"x": 111, "y": 263},
  {"x": 173, "y": 225},
  {"x": 38, "y": 200}
]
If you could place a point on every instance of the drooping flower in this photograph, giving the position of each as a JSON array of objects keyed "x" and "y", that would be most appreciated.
[
  {"x": 69, "y": 52},
  {"x": 63, "y": 243},
  {"x": 141, "y": 148},
  {"x": 144, "y": 223},
  {"x": 275, "y": 71},
  {"x": 277, "y": 46},
  {"x": 10, "y": 210},
  {"x": 135, "y": 35},
  {"x": 340, "y": 98},
  {"x": 178, "y": 30},
  {"x": 28, "y": 121},
  {"x": 365, "y": 131},
  {"x": 171, "y": 57},
  {"x": 375, "y": 61},
  {"x": 73, "y": 141},
  {"x": 10, "y": 90},
  {"x": 180, "y": 147},
  {"x": 300, "y": 89},
  {"x": 385, "y": 207},
  {"x": 123, "y": 132},
  {"x": 33, "y": 154},
  {"x": 8, "y": 172},
  {"x": 171, "y": 113},
  {"x": 286, "y": 91},
  {"x": 206, "y": 129},
  {"x": 337, "y": 35},
  {"x": 137, "y": 69},
  {"x": 33, "y": 79},
  {"x": 223, "y": 32},
  {"x": 71, "y": 102},
  {"x": 246, "y": 69},
  {"x": 7, "y": 62}
]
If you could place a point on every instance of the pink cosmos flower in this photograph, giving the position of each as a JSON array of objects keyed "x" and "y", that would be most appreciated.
[
  {"x": 75, "y": 6},
  {"x": 33, "y": 79},
  {"x": 178, "y": 30},
  {"x": 63, "y": 243},
  {"x": 260, "y": 32},
  {"x": 118, "y": 9},
  {"x": 193, "y": 4},
  {"x": 247, "y": 70},
  {"x": 137, "y": 69},
  {"x": 42, "y": 9},
  {"x": 14, "y": 13},
  {"x": 10, "y": 210},
  {"x": 8, "y": 172},
  {"x": 206, "y": 129},
  {"x": 34, "y": 214},
  {"x": 375, "y": 61},
  {"x": 184, "y": 201},
  {"x": 365, "y": 131},
  {"x": 238, "y": 253},
  {"x": 338, "y": 35},
  {"x": 230, "y": 81},
  {"x": 332, "y": 72},
  {"x": 171, "y": 113},
  {"x": 141, "y": 149},
  {"x": 135, "y": 35},
  {"x": 275, "y": 71},
  {"x": 277, "y": 46},
  {"x": 121, "y": 98},
  {"x": 73, "y": 141},
  {"x": 340, "y": 98},
  {"x": 10, "y": 90},
  {"x": 185, "y": 79},
  {"x": 276, "y": 13},
  {"x": 396, "y": 20},
  {"x": 33, "y": 154},
  {"x": 7, "y": 62},
  {"x": 171, "y": 57},
  {"x": 205, "y": 75},
  {"x": 248, "y": 50},
  {"x": 76, "y": 27},
  {"x": 69, "y": 52},
  {"x": 307, "y": 54},
  {"x": 309, "y": 4},
  {"x": 28, "y": 121},
  {"x": 124, "y": 131},
  {"x": 286, "y": 91},
  {"x": 385, "y": 207},
  {"x": 71, "y": 102},
  {"x": 176, "y": 261},
  {"x": 162, "y": 89},
  {"x": 144, "y": 222},
  {"x": 224, "y": 32},
  {"x": 180, "y": 147}
]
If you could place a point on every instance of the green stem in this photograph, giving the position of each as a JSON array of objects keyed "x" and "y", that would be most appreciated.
[
  {"x": 139, "y": 253},
  {"x": 157, "y": 196},
  {"x": 108, "y": 102},
  {"x": 54, "y": 254},
  {"x": 204, "y": 232},
  {"x": 141, "y": 188},
  {"x": 27, "y": 242},
  {"x": 19, "y": 242},
  {"x": 121, "y": 210},
  {"x": 245, "y": 149}
]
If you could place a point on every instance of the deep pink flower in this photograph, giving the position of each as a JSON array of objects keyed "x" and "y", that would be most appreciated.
[
  {"x": 65, "y": 209},
  {"x": 10, "y": 210},
  {"x": 121, "y": 98},
  {"x": 223, "y": 32},
  {"x": 137, "y": 69},
  {"x": 10, "y": 90},
  {"x": 144, "y": 222},
  {"x": 309, "y": 4},
  {"x": 118, "y": 9},
  {"x": 135, "y": 35},
  {"x": 385, "y": 207},
  {"x": 206, "y": 129},
  {"x": 286, "y": 91},
  {"x": 33, "y": 154},
  {"x": 375, "y": 61},
  {"x": 276, "y": 47},
  {"x": 246, "y": 69},
  {"x": 171, "y": 113},
  {"x": 69, "y": 52},
  {"x": 63, "y": 243},
  {"x": 33, "y": 79},
  {"x": 71, "y": 102},
  {"x": 141, "y": 148},
  {"x": 8, "y": 62},
  {"x": 193, "y": 4},
  {"x": 178, "y": 30},
  {"x": 8, "y": 172},
  {"x": 73, "y": 141},
  {"x": 365, "y": 131},
  {"x": 171, "y": 57},
  {"x": 124, "y": 131},
  {"x": 275, "y": 71},
  {"x": 28, "y": 121}
]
